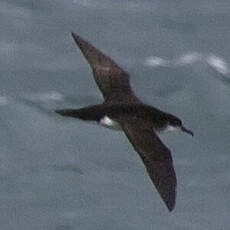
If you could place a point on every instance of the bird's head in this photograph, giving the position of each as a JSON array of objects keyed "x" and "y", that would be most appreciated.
[{"x": 177, "y": 123}]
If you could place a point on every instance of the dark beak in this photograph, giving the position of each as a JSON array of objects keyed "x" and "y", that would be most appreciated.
[{"x": 187, "y": 130}]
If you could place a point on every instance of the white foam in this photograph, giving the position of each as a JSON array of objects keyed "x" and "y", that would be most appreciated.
[
  {"x": 45, "y": 96},
  {"x": 156, "y": 61},
  {"x": 188, "y": 58},
  {"x": 218, "y": 64},
  {"x": 52, "y": 95},
  {"x": 4, "y": 100},
  {"x": 86, "y": 3},
  {"x": 185, "y": 59}
]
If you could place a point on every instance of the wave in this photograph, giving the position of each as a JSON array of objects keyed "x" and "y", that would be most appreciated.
[
  {"x": 214, "y": 61},
  {"x": 44, "y": 96}
]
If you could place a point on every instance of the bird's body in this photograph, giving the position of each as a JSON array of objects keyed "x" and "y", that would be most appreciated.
[
  {"x": 111, "y": 115},
  {"x": 140, "y": 122}
]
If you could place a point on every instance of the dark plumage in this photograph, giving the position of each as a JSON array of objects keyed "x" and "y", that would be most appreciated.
[{"x": 140, "y": 122}]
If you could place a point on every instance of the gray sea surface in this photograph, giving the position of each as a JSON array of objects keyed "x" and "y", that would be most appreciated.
[{"x": 65, "y": 174}]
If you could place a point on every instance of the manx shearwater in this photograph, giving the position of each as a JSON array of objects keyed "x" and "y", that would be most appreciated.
[{"x": 139, "y": 121}]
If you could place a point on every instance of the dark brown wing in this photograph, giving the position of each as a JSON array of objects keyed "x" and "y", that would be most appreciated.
[
  {"x": 112, "y": 80},
  {"x": 157, "y": 159}
]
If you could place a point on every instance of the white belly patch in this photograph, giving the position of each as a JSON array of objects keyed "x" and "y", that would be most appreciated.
[{"x": 109, "y": 123}]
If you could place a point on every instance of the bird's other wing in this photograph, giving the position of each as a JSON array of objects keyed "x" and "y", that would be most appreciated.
[
  {"x": 112, "y": 80},
  {"x": 157, "y": 159}
]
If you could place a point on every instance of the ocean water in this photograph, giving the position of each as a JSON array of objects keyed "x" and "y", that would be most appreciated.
[{"x": 65, "y": 174}]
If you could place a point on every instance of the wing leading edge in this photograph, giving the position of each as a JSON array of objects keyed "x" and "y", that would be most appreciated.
[{"x": 111, "y": 79}]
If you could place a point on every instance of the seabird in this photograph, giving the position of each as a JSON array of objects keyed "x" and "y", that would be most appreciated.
[{"x": 140, "y": 122}]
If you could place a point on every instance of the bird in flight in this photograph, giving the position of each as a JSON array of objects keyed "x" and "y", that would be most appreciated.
[{"x": 140, "y": 122}]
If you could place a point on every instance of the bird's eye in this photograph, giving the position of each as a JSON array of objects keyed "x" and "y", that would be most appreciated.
[{"x": 177, "y": 122}]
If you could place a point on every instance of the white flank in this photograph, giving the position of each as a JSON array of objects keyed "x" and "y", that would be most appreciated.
[{"x": 109, "y": 123}]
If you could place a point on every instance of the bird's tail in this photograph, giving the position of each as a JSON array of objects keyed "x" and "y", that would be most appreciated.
[{"x": 91, "y": 113}]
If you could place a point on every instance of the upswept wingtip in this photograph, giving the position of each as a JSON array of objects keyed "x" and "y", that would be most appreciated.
[
  {"x": 76, "y": 37},
  {"x": 171, "y": 207}
]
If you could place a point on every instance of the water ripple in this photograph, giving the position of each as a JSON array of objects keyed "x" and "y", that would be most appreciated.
[{"x": 217, "y": 63}]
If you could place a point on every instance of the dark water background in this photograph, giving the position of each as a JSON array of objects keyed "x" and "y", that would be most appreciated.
[{"x": 60, "y": 174}]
